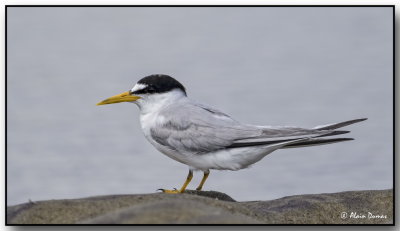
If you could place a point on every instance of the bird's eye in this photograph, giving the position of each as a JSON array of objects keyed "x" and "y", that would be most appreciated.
[{"x": 150, "y": 89}]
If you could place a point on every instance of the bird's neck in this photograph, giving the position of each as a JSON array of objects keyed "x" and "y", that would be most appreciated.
[{"x": 157, "y": 102}]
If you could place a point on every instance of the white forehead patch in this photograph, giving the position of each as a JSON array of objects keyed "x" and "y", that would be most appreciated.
[{"x": 138, "y": 86}]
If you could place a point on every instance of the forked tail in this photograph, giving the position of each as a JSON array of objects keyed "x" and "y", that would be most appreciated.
[{"x": 320, "y": 141}]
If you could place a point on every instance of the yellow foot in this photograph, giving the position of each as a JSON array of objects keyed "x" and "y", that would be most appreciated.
[{"x": 174, "y": 191}]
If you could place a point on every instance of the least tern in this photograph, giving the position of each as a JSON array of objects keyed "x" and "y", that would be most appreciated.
[{"x": 205, "y": 138}]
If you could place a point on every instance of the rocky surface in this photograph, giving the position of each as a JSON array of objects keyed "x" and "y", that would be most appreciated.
[{"x": 209, "y": 207}]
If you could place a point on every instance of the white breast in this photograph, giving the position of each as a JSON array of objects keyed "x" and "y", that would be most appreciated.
[{"x": 150, "y": 120}]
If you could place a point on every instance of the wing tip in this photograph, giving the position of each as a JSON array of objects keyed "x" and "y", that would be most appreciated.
[{"x": 318, "y": 142}]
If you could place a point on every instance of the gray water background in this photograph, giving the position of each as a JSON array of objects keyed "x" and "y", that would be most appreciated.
[{"x": 265, "y": 66}]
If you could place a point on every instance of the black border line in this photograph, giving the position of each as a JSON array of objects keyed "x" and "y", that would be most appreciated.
[
  {"x": 226, "y": 6},
  {"x": 178, "y": 5},
  {"x": 394, "y": 115},
  {"x": 5, "y": 114}
]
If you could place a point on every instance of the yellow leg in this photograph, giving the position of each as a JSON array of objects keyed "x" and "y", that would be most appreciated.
[
  {"x": 188, "y": 179},
  {"x": 203, "y": 180}
]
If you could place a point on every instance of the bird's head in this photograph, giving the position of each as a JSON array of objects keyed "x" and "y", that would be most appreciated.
[{"x": 148, "y": 90}]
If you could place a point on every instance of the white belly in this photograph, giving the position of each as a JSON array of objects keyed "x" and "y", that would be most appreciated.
[{"x": 229, "y": 159}]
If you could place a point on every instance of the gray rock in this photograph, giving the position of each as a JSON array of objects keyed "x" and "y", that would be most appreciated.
[
  {"x": 210, "y": 207},
  {"x": 327, "y": 208},
  {"x": 173, "y": 211}
]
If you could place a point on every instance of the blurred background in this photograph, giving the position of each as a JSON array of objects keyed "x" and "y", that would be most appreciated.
[{"x": 262, "y": 65}]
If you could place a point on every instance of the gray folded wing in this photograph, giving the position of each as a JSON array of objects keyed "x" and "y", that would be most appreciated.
[
  {"x": 195, "y": 128},
  {"x": 198, "y": 129}
]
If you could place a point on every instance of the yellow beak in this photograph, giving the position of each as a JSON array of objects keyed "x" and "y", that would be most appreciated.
[{"x": 124, "y": 97}]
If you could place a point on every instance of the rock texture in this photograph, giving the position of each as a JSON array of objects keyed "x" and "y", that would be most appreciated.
[{"x": 209, "y": 207}]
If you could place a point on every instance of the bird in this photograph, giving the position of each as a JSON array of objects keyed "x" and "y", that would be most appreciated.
[{"x": 205, "y": 138}]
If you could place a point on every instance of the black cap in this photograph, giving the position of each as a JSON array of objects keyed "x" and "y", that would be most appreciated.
[{"x": 159, "y": 83}]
